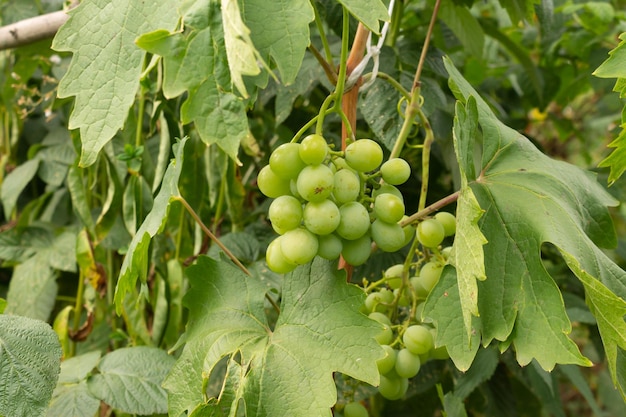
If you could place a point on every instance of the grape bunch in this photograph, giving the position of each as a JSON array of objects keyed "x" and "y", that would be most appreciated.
[{"x": 331, "y": 203}]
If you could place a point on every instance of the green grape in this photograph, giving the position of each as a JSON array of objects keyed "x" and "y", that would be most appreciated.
[
  {"x": 387, "y": 363},
  {"x": 315, "y": 182},
  {"x": 407, "y": 364},
  {"x": 448, "y": 221},
  {"x": 340, "y": 163},
  {"x": 285, "y": 213},
  {"x": 388, "y": 236},
  {"x": 271, "y": 184},
  {"x": 409, "y": 231},
  {"x": 275, "y": 259},
  {"x": 445, "y": 252},
  {"x": 322, "y": 217},
  {"x": 387, "y": 189},
  {"x": 330, "y": 246},
  {"x": 429, "y": 275},
  {"x": 354, "y": 222},
  {"x": 430, "y": 233},
  {"x": 393, "y": 274},
  {"x": 313, "y": 149},
  {"x": 395, "y": 171},
  {"x": 299, "y": 246},
  {"x": 355, "y": 409},
  {"x": 419, "y": 309},
  {"x": 403, "y": 299},
  {"x": 357, "y": 252},
  {"x": 380, "y": 317},
  {"x": 364, "y": 155},
  {"x": 386, "y": 296},
  {"x": 416, "y": 283},
  {"x": 347, "y": 186},
  {"x": 386, "y": 334},
  {"x": 293, "y": 189},
  {"x": 371, "y": 301},
  {"x": 418, "y": 339},
  {"x": 285, "y": 160},
  {"x": 393, "y": 387},
  {"x": 388, "y": 208}
]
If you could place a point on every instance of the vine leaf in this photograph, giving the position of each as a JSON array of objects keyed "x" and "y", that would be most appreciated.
[
  {"x": 195, "y": 61},
  {"x": 614, "y": 67},
  {"x": 106, "y": 67},
  {"x": 528, "y": 200},
  {"x": 319, "y": 331},
  {"x": 135, "y": 264},
  {"x": 30, "y": 358},
  {"x": 368, "y": 12}
]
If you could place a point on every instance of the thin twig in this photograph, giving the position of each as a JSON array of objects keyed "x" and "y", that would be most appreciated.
[
  {"x": 420, "y": 64},
  {"x": 431, "y": 209}
]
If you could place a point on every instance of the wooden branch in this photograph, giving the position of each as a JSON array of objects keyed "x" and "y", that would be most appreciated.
[{"x": 31, "y": 30}]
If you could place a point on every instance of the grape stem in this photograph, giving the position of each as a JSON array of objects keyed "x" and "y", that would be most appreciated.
[{"x": 431, "y": 208}]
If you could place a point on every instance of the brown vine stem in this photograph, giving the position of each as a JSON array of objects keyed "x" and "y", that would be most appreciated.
[{"x": 431, "y": 209}]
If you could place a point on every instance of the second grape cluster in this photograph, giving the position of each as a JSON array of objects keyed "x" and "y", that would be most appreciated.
[{"x": 333, "y": 203}]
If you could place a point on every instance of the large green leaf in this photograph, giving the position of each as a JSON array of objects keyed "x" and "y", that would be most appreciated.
[
  {"x": 129, "y": 379},
  {"x": 281, "y": 371},
  {"x": 30, "y": 357},
  {"x": 15, "y": 182},
  {"x": 530, "y": 199},
  {"x": 106, "y": 66},
  {"x": 368, "y": 12},
  {"x": 135, "y": 263}
]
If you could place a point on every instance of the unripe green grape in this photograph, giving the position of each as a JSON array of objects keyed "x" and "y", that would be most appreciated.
[
  {"x": 409, "y": 231},
  {"x": 315, "y": 182},
  {"x": 313, "y": 149},
  {"x": 285, "y": 213},
  {"x": 285, "y": 160},
  {"x": 321, "y": 217},
  {"x": 354, "y": 222},
  {"x": 293, "y": 189},
  {"x": 357, "y": 252},
  {"x": 275, "y": 259},
  {"x": 387, "y": 189},
  {"x": 340, "y": 163},
  {"x": 387, "y": 363},
  {"x": 388, "y": 208},
  {"x": 380, "y": 317},
  {"x": 389, "y": 237},
  {"x": 416, "y": 283},
  {"x": 430, "y": 233},
  {"x": 386, "y": 334},
  {"x": 395, "y": 171},
  {"x": 430, "y": 274},
  {"x": 364, "y": 155},
  {"x": 347, "y": 186},
  {"x": 445, "y": 252},
  {"x": 448, "y": 221},
  {"x": 299, "y": 246},
  {"x": 419, "y": 309},
  {"x": 407, "y": 364},
  {"x": 393, "y": 274},
  {"x": 330, "y": 246},
  {"x": 418, "y": 339},
  {"x": 271, "y": 184},
  {"x": 355, "y": 409},
  {"x": 393, "y": 388},
  {"x": 403, "y": 299}
]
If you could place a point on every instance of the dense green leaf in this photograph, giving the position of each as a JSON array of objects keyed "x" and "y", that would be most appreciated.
[
  {"x": 368, "y": 12},
  {"x": 135, "y": 263},
  {"x": 30, "y": 357},
  {"x": 106, "y": 67},
  {"x": 306, "y": 344},
  {"x": 15, "y": 182},
  {"x": 530, "y": 199},
  {"x": 33, "y": 290},
  {"x": 129, "y": 380},
  {"x": 73, "y": 400}
]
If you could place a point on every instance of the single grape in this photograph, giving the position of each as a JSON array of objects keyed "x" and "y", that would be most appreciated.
[
  {"x": 386, "y": 334},
  {"x": 299, "y": 246},
  {"x": 285, "y": 213},
  {"x": 395, "y": 171},
  {"x": 448, "y": 221},
  {"x": 355, "y": 409},
  {"x": 387, "y": 189},
  {"x": 357, "y": 252},
  {"x": 419, "y": 310},
  {"x": 416, "y": 283},
  {"x": 322, "y": 217},
  {"x": 446, "y": 252},
  {"x": 380, "y": 317},
  {"x": 315, "y": 182},
  {"x": 403, "y": 297},
  {"x": 271, "y": 184},
  {"x": 285, "y": 160},
  {"x": 388, "y": 208},
  {"x": 347, "y": 186},
  {"x": 364, "y": 155},
  {"x": 393, "y": 387},
  {"x": 418, "y": 339},
  {"x": 313, "y": 149},
  {"x": 407, "y": 364},
  {"x": 429, "y": 275},
  {"x": 354, "y": 222},
  {"x": 393, "y": 274},
  {"x": 387, "y": 363},
  {"x": 330, "y": 246},
  {"x": 275, "y": 259},
  {"x": 409, "y": 231},
  {"x": 430, "y": 233},
  {"x": 388, "y": 236}
]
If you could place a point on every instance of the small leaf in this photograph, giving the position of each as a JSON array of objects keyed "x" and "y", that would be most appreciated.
[
  {"x": 32, "y": 290},
  {"x": 368, "y": 12},
  {"x": 106, "y": 66},
  {"x": 30, "y": 357},
  {"x": 15, "y": 182},
  {"x": 135, "y": 264},
  {"x": 613, "y": 66},
  {"x": 73, "y": 400},
  {"x": 464, "y": 25},
  {"x": 129, "y": 380}
]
